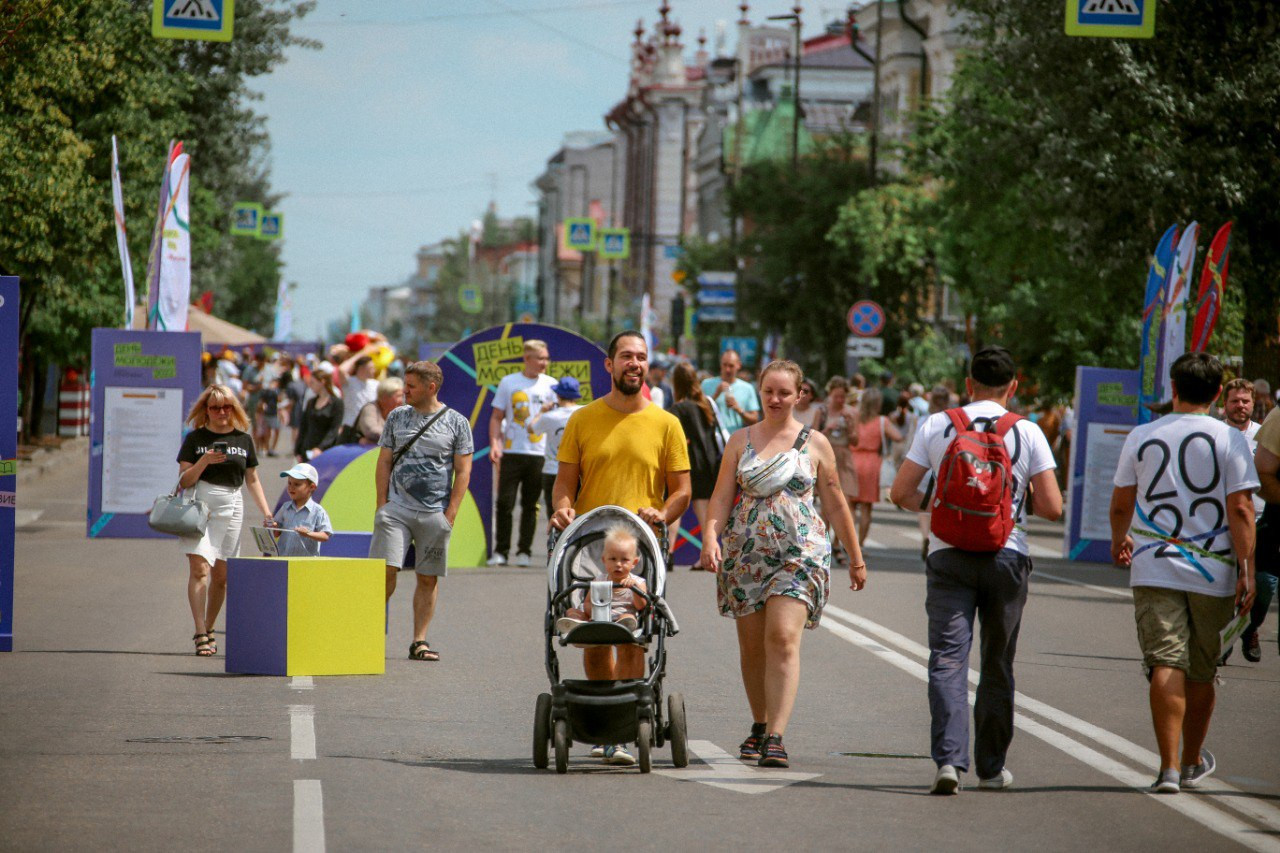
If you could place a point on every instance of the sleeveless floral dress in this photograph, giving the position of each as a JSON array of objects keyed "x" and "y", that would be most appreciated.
[{"x": 775, "y": 545}]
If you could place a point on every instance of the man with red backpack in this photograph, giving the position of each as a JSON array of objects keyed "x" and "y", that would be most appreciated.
[{"x": 988, "y": 470}]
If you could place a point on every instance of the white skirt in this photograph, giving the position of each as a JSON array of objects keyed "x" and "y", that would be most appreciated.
[{"x": 221, "y": 539}]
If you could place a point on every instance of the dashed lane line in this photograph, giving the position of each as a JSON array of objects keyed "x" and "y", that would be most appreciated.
[
  {"x": 302, "y": 732},
  {"x": 308, "y": 816},
  {"x": 302, "y": 682}
]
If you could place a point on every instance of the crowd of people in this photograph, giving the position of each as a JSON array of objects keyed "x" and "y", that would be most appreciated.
[{"x": 782, "y": 473}]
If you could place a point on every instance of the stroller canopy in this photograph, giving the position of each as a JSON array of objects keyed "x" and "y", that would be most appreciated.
[{"x": 578, "y": 552}]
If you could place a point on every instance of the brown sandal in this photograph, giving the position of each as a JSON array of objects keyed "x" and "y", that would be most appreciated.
[{"x": 419, "y": 650}]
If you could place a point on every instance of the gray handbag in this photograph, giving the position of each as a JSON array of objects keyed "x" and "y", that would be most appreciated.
[{"x": 179, "y": 515}]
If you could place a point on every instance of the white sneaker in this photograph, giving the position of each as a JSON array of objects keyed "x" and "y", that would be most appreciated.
[
  {"x": 997, "y": 783},
  {"x": 497, "y": 560},
  {"x": 618, "y": 755},
  {"x": 946, "y": 782},
  {"x": 522, "y": 560},
  {"x": 1166, "y": 782},
  {"x": 1193, "y": 774},
  {"x": 597, "y": 751},
  {"x": 565, "y": 624}
]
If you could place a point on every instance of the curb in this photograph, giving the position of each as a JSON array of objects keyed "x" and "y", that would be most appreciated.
[{"x": 44, "y": 459}]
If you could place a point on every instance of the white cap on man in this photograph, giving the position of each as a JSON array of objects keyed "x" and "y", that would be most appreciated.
[{"x": 303, "y": 471}]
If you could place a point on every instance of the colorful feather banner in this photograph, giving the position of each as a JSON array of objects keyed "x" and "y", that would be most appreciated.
[
  {"x": 1152, "y": 310},
  {"x": 1213, "y": 280},
  {"x": 1173, "y": 326}
]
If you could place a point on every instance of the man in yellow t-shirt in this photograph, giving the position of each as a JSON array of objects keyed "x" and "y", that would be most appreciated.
[{"x": 623, "y": 450}]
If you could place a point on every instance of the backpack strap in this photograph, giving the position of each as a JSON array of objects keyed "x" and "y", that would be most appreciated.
[
  {"x": 1005, "y": 423},
  {"x": 801, "y": 439},
  {"x": 962, "y": 423}
]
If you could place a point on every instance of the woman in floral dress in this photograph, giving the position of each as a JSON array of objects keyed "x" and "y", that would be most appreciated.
[{"x": 775, "y": 568}]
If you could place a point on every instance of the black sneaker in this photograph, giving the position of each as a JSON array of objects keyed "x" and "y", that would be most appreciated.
[
  {"x": 772, "y": 753},
  {"x": 749, "y": 750},
  {"x": 1251, "y": 647}
]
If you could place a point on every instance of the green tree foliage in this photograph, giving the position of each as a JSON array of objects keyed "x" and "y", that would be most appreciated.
[
  {"x": 1064, "y": 159},
  {"x": 795, "y": 281},
  {"x": 889, "y": 235},
  {"x": 71, "y": 75}
]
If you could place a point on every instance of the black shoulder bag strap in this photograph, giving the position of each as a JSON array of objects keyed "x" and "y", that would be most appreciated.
[
  {"x": 401, "y": 452},
  {"x": 801, "y": 439}
]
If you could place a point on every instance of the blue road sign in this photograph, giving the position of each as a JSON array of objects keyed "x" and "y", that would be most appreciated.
[
  {"x": 748, "y": 349},
  {"x": 717, "y": 296},
  {"x": 716, "y": 314},
  {"x": 204, "y": 20},
  {"x": 718, "y": 279},
  {"x": 866, "y": 318},
  {"x": 1111, "y": 18}
]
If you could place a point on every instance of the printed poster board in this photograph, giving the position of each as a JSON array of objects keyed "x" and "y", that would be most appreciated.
[
  {"x": 1106, "y": 406},
  {"x": 8, "y": 452},
  {"x": 142, "y": 384}
]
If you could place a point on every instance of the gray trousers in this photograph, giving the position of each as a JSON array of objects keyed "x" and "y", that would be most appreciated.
[{"x": 994, "y": 586}]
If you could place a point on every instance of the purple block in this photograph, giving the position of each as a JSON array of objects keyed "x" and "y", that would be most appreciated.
[{"x": 257, "y": 615}]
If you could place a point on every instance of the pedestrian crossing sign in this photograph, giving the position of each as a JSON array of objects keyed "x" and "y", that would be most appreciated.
[
  {"x": 615, "y": 243},
  {"x": 580, "y": 234},
  {"x": 246, "y": 218},
  {"x": 1134, "y": 19},
  {"x": 271, "y": 226},
  {"x": 204, "y": 20}
]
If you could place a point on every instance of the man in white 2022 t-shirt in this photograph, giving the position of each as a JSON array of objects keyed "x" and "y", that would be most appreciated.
[
  {"x": 1182, "y": 520},
  {"x": 994, "y": 585},
  {"x": 518, "y": 452}
]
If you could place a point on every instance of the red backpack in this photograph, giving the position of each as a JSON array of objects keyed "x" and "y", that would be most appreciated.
[{"x": 973, "y": 503}]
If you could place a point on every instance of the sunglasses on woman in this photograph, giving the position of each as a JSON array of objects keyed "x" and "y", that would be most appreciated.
[{"x": 223, "y": 408}]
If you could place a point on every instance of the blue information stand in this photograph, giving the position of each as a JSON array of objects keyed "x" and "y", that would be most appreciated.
[
  {"x": 142, "y": 362},
  {"x": 1106, "y": 404},
  {"x": 8, "y": 451}
]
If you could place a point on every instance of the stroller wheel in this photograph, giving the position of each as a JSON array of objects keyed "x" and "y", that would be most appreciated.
[
  {"x": 644, "y": 743},
  {"x": 677, "y": 730},
  {"x": 561, "y": 738},
  {"x": 541, "y": 730}
]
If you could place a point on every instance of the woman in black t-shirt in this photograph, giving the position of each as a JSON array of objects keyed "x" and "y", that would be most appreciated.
[
  {"x": 698, "y": 417},
  {"x": 317, "y": 428},
  {"x": 217, "y": 459}
]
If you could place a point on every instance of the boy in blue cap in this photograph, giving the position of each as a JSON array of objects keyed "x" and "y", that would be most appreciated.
[{"x": 551, "y": 423}]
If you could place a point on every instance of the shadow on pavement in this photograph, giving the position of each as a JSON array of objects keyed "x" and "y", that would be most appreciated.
[
  {"x": 503, "y": 766},
  {"x": 104, "y": 652}
]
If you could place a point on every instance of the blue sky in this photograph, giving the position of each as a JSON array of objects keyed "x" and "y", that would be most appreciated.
[{"x": 416, "y": 113}]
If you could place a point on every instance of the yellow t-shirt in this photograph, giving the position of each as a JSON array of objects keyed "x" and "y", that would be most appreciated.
[{"x": 623, "y": 458}]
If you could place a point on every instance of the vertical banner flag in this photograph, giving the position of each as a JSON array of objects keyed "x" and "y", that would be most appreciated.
[
  {"x": 646, "y": 325},
  {"x": 1212, "y": 282},
  {"x": 1173, "y": 332},
  {"x": 153, "y": 254},
  {"x": 284, "y": 313},
  {"x": 175, "y": 250},
  {"x": 1152, "y": 309},
  {"x": 8, "y": 452},
  {"x": 122, "y": 239}
]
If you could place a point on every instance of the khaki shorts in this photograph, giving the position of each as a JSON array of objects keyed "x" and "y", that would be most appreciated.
[
  {"x": 394, "y": 527},
  {"x": 1181, "y": 629}
]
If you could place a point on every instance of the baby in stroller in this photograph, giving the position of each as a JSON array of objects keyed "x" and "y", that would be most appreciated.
[{"x": 621, "y": 554}]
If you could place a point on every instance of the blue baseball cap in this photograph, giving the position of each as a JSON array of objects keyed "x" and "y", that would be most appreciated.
[{"x": 567, "y": 388}]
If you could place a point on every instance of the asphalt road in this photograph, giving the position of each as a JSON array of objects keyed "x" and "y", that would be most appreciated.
[{"x": 114, "y": 736}]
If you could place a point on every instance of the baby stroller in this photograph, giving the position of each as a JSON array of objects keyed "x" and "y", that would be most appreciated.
[{"x": 608, "y": 712}]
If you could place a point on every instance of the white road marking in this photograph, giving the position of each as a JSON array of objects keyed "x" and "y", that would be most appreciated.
[
  {"x": 1123, "y": 593},
  {"x": 302, "y": 732},
  {"x": 302, "y": 682},
  {"x": 1042, "y": 551},
  {"x": 1193, "y": 806},
  {"x": 308, "y": 816},
  {"x": 722, "y": 770}
]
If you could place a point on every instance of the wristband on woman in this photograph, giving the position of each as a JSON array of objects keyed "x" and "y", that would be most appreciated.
[{"x": 858, "y": 566}]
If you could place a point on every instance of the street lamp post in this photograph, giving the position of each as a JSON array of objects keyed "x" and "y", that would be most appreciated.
[{"x": 794, "y": 18}]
